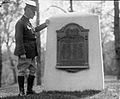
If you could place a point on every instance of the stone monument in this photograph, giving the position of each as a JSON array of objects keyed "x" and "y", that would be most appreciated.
[{"x": 73, "y": 59}]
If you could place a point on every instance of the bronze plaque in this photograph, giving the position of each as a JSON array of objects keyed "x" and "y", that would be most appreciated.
[{"x": 72, "y": 47}]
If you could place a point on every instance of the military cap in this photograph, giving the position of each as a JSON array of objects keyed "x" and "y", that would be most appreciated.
[{"x": 31, "y": 4}]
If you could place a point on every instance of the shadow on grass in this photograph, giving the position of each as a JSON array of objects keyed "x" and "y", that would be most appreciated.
[{"x": 57, "y": 95}]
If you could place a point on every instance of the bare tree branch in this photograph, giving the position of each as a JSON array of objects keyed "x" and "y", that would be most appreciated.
[
  {"x": 56, "y": 7},
  {"x": 4, "y": 2}
]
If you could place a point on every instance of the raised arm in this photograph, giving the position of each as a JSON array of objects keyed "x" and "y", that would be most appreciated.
[{"x": 42, "y": 26}]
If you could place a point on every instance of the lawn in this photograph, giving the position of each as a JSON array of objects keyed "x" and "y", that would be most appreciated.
[{"x": 111, "y": 91}]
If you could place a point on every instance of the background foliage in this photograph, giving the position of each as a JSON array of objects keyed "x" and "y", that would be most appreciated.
[{"x": 11, "y": 12}]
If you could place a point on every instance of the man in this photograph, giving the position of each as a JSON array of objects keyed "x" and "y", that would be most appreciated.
[{"x": 26, "y": 48}]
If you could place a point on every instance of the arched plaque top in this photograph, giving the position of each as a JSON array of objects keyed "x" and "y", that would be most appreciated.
[{"x": 72, "y": 26}]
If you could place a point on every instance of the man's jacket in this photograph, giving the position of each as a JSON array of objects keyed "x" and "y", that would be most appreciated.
[{"x": 25, "y": 39}]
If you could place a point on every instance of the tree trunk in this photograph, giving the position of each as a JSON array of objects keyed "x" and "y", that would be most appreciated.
[
  {"x": 0, "y": 63},
  {"x": 38, "y": 47},
  {"x": 117, "y": 35},
  {"x": 12, "y": 65},
  {"x": 71, "y": 6}
]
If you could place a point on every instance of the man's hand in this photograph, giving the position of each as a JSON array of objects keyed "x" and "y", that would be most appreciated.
[
  {"x": 23, "y": 56},
  {"x": 47, "y": 22}
]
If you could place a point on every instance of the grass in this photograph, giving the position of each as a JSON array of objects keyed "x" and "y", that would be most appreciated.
[
  {"x": 57, "y": 95},
  {"x": 111, "y": 91}
]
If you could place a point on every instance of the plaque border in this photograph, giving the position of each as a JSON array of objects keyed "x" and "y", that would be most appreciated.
[{"x": 73, "y": 68}]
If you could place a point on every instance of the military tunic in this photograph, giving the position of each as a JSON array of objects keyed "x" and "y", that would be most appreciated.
[
  {"x": 25, "y": 41},
  {"x": 25, "y": 38}
]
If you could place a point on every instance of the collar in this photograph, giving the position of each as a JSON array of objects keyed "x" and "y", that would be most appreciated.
[{"x": 25, "y": 18}]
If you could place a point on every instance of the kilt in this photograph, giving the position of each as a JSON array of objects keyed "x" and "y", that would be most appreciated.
[{"x": 25, "y": 64}]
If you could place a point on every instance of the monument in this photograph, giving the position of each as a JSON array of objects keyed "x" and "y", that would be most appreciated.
[{"x": 73, "y": 59}]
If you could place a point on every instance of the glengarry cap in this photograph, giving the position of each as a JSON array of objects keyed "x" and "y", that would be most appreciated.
[{"x": 31, "y": 4}]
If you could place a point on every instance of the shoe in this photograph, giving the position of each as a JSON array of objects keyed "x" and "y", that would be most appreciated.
[
  {"x": 21, "y": 93},
  {"x": 30, "y": 92}
]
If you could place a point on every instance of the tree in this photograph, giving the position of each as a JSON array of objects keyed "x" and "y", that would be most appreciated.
[
  {"x": 38, "y": 47},
  {"x": 117, "y": 35},
  {"x": 4, "y": 2},
  {"x": 105, "y": 12},
  {"x": 71, "y": 6},
  {"x": 57, "y": 8},
  {"x": 0, "y": 62},
  {"x": 8, "y": 14}
]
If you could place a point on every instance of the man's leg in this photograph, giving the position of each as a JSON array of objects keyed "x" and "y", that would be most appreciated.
[
  {"x": 22, "y": 67},
  {"x": 31, "y": 77},
  {"x": 21, "y": 85},
  {"x": 30, "y": 83}
]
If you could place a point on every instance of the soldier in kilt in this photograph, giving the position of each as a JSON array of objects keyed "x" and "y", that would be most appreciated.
[{"x": 26, "y": 48}]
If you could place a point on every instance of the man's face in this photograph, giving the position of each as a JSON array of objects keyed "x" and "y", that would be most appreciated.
[{"x": 31, "y": 12}]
